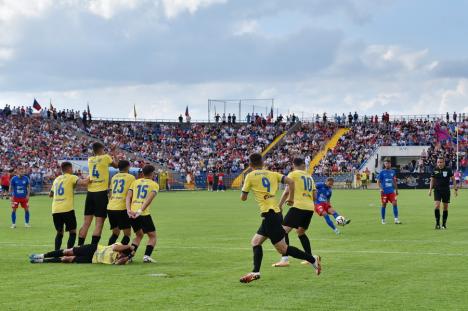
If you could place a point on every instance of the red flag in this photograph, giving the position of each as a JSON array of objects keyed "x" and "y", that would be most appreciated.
[
  {"x": 36, "y": 105},
  {"x": 186, "y": 112}
]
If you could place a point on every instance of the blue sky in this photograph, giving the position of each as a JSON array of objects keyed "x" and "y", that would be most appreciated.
[{"x": 404, "y": 57}]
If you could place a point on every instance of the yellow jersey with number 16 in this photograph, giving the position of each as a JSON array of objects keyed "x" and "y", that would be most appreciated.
[
  {"x": 63, "y": 189},
  {"x": 264, "y": 184},
  {"x": 98, "y": 167}
]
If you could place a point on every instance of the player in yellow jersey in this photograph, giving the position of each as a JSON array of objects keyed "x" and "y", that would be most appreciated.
[
  {"x": 115, "y": 254},
  {"x": 139, "y": 199},
  {"x": 300, "y": 215},
  {"x": 97, "y": 195},
  {"x": 63, "y": 211},
  {"x": 116, "y": 209},
  {"x": 264, "y": 184}
]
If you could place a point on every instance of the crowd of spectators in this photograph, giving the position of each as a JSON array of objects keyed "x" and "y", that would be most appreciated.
[{"x": 189, "y": 148}]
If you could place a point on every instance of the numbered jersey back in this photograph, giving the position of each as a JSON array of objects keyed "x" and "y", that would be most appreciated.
[
  {"x": 264, "y": 184},
  {"x": 63, "y": 188},
  {"x": 99, "y": 172},
  {"x": 304, "y": 187},
  {"x": 141, "y": 188},
  {"x": 120, "y": 184}
]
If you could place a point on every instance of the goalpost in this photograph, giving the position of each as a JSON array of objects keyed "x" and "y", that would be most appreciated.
[{"x": 242, "y": 105}]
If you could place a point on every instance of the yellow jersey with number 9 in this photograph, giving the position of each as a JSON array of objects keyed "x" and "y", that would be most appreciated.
[
  {"x": 119, "y": 186},
  {"x": 304, "y": 187},
  {"x": 264, "y": 184},
  {"x": 99, "y": 172},
  {"x": 63, "y": 188},
  {"x": 141, "y": 188}
]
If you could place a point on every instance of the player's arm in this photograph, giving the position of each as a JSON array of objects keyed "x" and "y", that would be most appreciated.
[
  {"x": 290, "y": 184},
  {"x": 245, "y": 189},
  {"x": 284, "y": 196},
  {"x": 147, "y": 202},
  {"x": 128, "y": 202},
  {"x": 395, "y": 185},
  {"x": 83, "y": 181},
  {"x": 113, "y": 155},
  {"x": 431, "y": 185},
  {"x": 28, "y": 190},
  {"x": 244, "y": 196},
  {"x": 51, "y": 193}
]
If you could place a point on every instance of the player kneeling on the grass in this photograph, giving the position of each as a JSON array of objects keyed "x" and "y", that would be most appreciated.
[
  {"x": 323, "y": 206},
  {"x": 63, "y": 212},
  {"x": 116, "y": 254},
  {"x": 300, "y": 215},
  {"x": 388, "y": 190},
  {"x": 139, "y": 198},
  {"x": 20, "y": 189},
  {"x": 264, "y": 184},
  {"x": 116, "y": 209},
  {"x": 440, "y": 182}
]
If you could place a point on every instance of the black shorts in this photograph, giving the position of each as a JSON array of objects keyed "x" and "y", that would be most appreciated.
[
  {"x": 442, "y": 195},
  {"x": 67, "y": 218},
  {"x": 143, "y": 222},
  {"x": 84, "y": 253},
  {"x": 297, "y": 217},
  {"x": 118, "y": 219},
  {"x": 271, "y": 226},
  {"x": 96, "y": 204},
  {"x": 5, "y": 188}
]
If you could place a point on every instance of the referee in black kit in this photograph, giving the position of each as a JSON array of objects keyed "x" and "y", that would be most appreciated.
[{"x": 440, "y": 182}]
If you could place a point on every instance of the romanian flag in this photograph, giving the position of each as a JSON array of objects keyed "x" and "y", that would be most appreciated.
[
  {"x": 134, "y": 111},
  {"x": 186, "y": 112}
]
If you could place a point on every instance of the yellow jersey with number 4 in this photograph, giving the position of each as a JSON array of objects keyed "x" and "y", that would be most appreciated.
[
  {"x": 141, "y": 189},
  {"x": 119, "y": 186},
  {"x": 304, "y": 187},
  {"x": 63, "y": 188},
  {"x": 99, "y": 172},
  {"x": 264, "y": 184}
]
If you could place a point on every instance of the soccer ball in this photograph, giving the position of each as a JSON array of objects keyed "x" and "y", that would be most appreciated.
[{"x": 340, "y": 220}]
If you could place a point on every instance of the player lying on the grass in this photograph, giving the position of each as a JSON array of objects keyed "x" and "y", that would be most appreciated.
[
  {"x": 97, "y": 195},
  {"x": 300, "y": 214},
  {"x": 387, "y": 183},
  {"x": 138, "y": 203},
  {"x": 63, "y": 213},
  {"x": 323, "y": 206},
  {"x": 440, "y": 182},
  {"x": 20, "y": 189},
  {"x": 264, "y": 184},
  {"x": 116, "y": 209},
  {"x": 116, "y": 254}
]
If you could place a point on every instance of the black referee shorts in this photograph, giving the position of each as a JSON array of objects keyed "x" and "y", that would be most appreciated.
[
  {"x": 118, "y": 219},
  {"x": 144, "y": 223},
  {"x": 96, "y": 204},
  {"x": 442, "y": 195},
  {"x": 271, "y": 226},
  {"x": 67, "y": 218},
  {"x": 297, "y": 217},
  {"x": 84, "y": 253}
]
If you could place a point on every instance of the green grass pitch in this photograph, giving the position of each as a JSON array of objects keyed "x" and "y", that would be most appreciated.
[{"x": 204, "y": 247}]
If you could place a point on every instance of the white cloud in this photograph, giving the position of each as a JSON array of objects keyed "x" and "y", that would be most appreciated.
[
  {"x": 383, "y": 57},
  {"x": 13, "y": 9},
  {"x": 245, "y": 27},
  {"x": 172, "y": 8},
  {"x": 108, "y": 8}
]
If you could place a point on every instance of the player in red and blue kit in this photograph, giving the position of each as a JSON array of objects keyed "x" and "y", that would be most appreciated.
[
  {"x": 322, "y": 204},
  {"x": 20, "y": 188},
  {"x": 388, "y": 190}
]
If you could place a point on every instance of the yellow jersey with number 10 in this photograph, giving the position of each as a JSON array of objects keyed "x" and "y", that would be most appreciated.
[
  {"x": 119, "y": 186},
  {"x": 98, "y": 167},
  {"x": 63, "y": 188},
  {"x": 304, "y": 187},
  {"x": 141, "y": 188},
  {"x": 264, "y": 184}
]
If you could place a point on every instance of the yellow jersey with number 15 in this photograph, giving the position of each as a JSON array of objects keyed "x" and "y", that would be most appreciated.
[
  {"x": 264, "y": 184},
  {"x": 119, "y": 186},
  {"x": 141, "y": 189},
  {"x": 98, "y": 167},
  {"x": 304, "y": 187},
  {"x": 63, "y": 188}
]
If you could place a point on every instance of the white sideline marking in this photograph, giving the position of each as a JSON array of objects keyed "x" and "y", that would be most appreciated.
[
  {"x": 272, "y": 250},
  {"x": 161, "y": 275}
]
